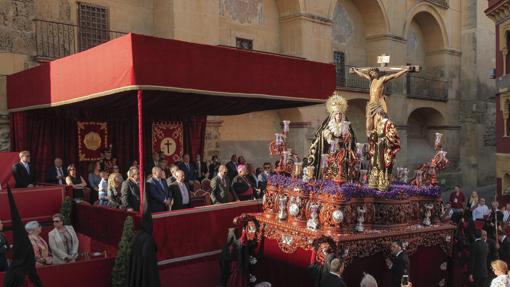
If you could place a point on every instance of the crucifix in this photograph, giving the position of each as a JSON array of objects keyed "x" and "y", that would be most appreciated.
[
  {"x": 378, "y": 77},
  {"x": 168, "y": 144}
]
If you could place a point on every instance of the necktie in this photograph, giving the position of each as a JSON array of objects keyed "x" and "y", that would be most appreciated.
[
  {"x": 59, "y": 173},
  {"x": 161, "y": 184},
  {"x": 27, "y": 168}
]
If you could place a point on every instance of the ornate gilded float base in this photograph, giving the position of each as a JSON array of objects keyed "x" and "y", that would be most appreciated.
[{"x": 355, "y": 245}]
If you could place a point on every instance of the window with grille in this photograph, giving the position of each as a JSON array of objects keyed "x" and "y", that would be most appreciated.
[
  {"x": 244, "y": 43},
  {"x": 93, "y": 25},
  {"x": 339, "y": 62}
]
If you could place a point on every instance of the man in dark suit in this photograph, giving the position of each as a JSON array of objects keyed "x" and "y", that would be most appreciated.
[
  {"x": 180, "y": 192},
  {"x": 156, "y": 157},
  {"x": 188, "y": 169},
  {"x": 221, "y": 192},
  {"x": 232, "y": 167},
  {"x": 56, "y": 173},
  {"x": 400, "y": 265},
  {"x": 23, "y": 171},
  {"x": 504, "y": 247},
  {"x": 157, "y": 191},
  {"x": 200, "y": 168},
  {"x": 130, "y": 190},
  {"x": 334, "y": 277},
  {"x": 478, "y": 272}
]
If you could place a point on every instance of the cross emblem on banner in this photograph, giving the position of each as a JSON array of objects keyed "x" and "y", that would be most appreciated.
[{"x": 168, "y": 146}]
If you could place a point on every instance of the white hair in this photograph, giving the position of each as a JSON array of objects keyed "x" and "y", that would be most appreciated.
[
  {"x": 31, "y": 226},
  {"x": 368, "y": 281}
]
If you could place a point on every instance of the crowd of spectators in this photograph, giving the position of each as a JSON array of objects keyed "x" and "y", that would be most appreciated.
[
  {"x": 169, "y": 186},
  {"x": 482, "y": 248}
]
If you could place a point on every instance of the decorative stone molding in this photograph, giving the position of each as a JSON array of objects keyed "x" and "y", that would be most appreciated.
[
  {"x": 500, "y": 12},
  {"x": 390, "y": 37},
  {"x": 306, "y": 16}
]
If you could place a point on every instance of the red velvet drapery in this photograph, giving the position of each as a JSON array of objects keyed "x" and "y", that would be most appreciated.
[{"x": 50, "y": 133}]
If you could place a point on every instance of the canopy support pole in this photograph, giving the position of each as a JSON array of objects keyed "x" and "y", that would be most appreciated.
[{"x": 140, "y": 148}]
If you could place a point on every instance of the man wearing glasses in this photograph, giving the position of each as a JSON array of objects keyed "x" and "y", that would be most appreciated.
[
  {"x": 63, "y": 241},
  {"x": 23, "y": 171}
]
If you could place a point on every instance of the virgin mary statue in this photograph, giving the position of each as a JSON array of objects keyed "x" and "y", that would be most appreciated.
[{"x": 332, "y": 152}]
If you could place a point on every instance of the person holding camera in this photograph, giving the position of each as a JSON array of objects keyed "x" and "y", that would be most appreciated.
[{"x": 399, "y": 267}]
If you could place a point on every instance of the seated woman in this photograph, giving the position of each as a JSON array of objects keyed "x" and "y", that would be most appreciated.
[
  {"x": 63, "y": 241},
  {"x": 114, "y": 190},
  {"x": 41, "y": 250},
  {"x": 241, "y": 185},
  {"x": 76, "y": 181}
]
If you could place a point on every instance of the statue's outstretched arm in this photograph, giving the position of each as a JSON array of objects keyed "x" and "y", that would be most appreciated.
[
  {"x": 396, "y": 75},
  {"x": 361, "y": 74}
]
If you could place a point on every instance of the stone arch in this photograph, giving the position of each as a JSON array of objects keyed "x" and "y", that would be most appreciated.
[
  {"x": 426, "y": 14},
  {"x": 353, "y": 21},
  {"x": 422, "y": 124},
  {"x": 374, "y": 16}
]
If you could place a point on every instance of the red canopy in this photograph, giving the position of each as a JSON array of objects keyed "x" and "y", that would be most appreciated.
[{"x": 136, "y": 62}]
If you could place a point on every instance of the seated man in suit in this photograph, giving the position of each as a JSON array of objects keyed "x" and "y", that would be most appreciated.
[
  {"x": 180, "y": 192},
  {"x": 56, "y": 173},
  {"x": 23, "y": 171},
  {"x": 400, "y": 265},
  {"x": 334, "y": 277},
  {"x": 221, "y": 191},
  {"x": 188, "y": 168},
  {"x": 157, "y": 191}
]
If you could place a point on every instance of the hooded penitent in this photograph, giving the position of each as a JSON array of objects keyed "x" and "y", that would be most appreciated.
[
  {"x": 143, "y": 263},
  {"x": 23, "y": 257}
]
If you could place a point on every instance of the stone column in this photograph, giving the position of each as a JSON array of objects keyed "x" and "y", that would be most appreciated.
[
  {"x": 212, "y": 137},
  {"x": 4, "y": 132}
]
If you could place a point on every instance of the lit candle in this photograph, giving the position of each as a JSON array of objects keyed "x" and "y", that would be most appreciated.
[
  {"x": 286, "y": 125},
  {"x": 298, "y": 169},
  {"x": 439, "y": 136}
]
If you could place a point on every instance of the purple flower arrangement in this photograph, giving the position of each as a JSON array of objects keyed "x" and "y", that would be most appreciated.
[{"x": 353, "y": 190}]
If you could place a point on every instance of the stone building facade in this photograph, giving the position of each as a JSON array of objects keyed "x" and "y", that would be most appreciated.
[
  {"x": 451, "y": 39},
  {"x": 499, "y": 12}
]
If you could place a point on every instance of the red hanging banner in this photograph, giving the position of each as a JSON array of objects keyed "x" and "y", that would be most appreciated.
[
  {"x": 92, "y": 139},
  {"x": 167, "y": 137}
]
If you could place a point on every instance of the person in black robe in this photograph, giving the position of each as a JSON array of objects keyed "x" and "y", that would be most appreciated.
[
  {"x": 324, "y": 251},
  {"x": 143, "y": 263},
  {"x": 23, "y": 257}
]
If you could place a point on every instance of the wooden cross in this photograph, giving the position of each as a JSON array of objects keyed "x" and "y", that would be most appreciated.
[{"x": 383, "y": 62}]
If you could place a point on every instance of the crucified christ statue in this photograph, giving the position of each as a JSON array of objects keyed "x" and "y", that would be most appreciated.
[
  {"x": 377, "y": 80},
  {"x": 378, "y": 77}
]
